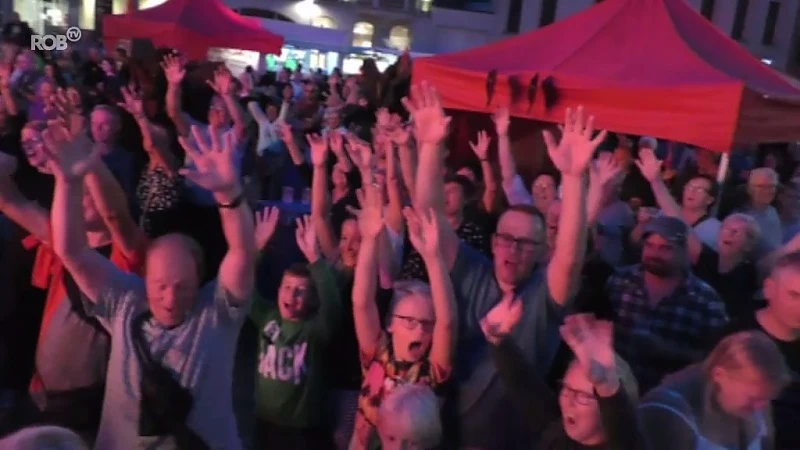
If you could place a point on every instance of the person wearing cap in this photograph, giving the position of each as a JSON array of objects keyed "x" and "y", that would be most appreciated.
[
  {"x": 457, "y": 190},
  {"x": 725, "y": 263},
  {"x": 665, "y": 317}
]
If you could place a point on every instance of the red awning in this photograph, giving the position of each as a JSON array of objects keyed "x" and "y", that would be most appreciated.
[
  {"x": 645, "y": 67},
  {"x": 192, "y": 27}
]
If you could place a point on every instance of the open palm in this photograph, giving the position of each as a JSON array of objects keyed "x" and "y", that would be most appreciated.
[
  {"x": 423, "y": 231},
  {"x": 173, "y": 69},
  {"x": 71, "y": 157},
  {"x": 431, "y": 125},
  {"x": 306, "y": 238},
  {"x": 591, "y": 341},
  {"x": 572, "y": 154},
  {"x": 214, "y": 160},
  {"x": 266, "y": 223}
]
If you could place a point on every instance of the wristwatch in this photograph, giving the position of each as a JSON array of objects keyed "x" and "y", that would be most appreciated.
[{"x": 235, "y": 203}]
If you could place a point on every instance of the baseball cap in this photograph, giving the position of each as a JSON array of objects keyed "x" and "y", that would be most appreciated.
[{"x": 671, "y": 229}]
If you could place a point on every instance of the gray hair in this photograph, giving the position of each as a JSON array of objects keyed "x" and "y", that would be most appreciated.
[
  {"x": 753, "y": 229},
  {"x": 418, "y": 407},
  {"x": 403, "y": 289},
  {"x": 43, "y": 438},
  {"x": 764, "y": 172}
]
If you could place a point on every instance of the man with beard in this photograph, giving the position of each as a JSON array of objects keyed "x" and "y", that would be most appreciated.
[{"x": 665, "y": 317}]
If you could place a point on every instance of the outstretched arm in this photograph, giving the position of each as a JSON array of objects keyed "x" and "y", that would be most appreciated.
[
  {"x": 365, "y": 284},
  {"x": 174, "y": 71},
  {"x": 71, "y": 159},
  {"x": 216, "y": 172},
  {"x": 571, "y": 156}
]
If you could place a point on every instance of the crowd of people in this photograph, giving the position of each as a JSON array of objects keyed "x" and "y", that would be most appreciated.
[{"x": 624, "y": 298}]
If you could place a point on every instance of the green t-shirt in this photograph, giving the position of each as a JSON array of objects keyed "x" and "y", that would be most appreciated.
[{"x": 290, "y": 384}]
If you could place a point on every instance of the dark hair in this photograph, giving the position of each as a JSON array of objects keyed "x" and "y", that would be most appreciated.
[
  {"x": 298, "y": 269},
  {"x": 467, "y": 187},
  {"x": 713, "y": 190}
]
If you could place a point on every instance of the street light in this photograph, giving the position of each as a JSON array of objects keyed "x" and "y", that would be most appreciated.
[{"x": 307, "y": 10}]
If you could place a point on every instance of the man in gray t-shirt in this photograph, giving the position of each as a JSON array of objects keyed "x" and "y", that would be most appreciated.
[{"x": 188, "y": 331}]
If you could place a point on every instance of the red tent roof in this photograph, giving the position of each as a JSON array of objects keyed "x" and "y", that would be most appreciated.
[
  {"x": 647, "y": 67},
  {"x": 192, "y": 26}
]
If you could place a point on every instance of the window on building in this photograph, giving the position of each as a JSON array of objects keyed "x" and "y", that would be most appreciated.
[
  {"x": 424, "y": 5},
  {"x": 548, "y": 14},
  {"x": 514, "y": 16},
  {"x": 707, "y": 9},
  {"x": 768, "y": 38},
  {"x": 739, "y": 19},
  {"x": 323, "y": 22},
  {"x": 400, "y": 37},
  {"x": 362, "y": 34}
]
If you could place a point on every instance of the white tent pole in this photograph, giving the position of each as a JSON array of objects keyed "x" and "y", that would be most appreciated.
[{"x": 722, "y": 172}]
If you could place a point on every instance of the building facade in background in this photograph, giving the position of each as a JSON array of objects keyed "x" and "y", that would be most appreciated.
[{"x": 769, "y": 29}]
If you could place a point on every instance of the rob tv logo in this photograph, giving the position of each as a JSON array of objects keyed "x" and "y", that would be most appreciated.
[{"x": 55, "y": 41}]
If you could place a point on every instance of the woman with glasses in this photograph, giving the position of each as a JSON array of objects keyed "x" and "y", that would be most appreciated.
[
  {"x": 721, "y": 403},
  {"x": 598, "y": 393},
  {"x": 420, "y": 335}
]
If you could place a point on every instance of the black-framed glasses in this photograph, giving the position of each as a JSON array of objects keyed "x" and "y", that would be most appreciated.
[
  {"x": 580, "y": 397},
  {"x": 508, "y": 241},
  {"x": 411, "y": 323}
]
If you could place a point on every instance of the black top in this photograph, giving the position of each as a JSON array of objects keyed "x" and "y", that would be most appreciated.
[
  {"x": 540, "y": 406},
  {"x": 737, "y": 288}
]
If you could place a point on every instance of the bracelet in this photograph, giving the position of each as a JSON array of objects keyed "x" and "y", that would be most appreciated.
[{"x": 235, "y": 203}]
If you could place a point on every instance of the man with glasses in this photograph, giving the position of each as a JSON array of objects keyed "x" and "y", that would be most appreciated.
[{"x": 486, "y": 417}]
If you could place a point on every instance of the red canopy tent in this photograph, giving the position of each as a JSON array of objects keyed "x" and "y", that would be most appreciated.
[
  {"x": 192, "y": 26},
  {"x": 645, "y": 67}
]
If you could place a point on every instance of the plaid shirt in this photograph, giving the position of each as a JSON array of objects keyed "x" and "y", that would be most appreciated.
[{"x": 688, "y": 320}]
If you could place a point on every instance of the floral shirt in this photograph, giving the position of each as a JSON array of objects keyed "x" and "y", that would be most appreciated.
[{"x": 382, "y": 374}]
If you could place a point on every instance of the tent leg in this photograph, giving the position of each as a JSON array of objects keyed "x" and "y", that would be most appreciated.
[{"x": 722, "y": 172}]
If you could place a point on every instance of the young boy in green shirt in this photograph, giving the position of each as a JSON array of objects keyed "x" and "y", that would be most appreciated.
[{"x": 293, "y": 335}]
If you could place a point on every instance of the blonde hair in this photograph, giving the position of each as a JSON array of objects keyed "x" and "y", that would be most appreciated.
[
  {"x": 418, "y": 408},
  {"x": 43, "y": 438},
  {"x": 750, "y": 354}
]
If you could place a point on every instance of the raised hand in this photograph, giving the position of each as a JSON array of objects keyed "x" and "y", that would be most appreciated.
[
  {"x": 360, "y": 152},
  {"x": 306, "y": 238},
  {"x": 214, "y": 161},
  {"x": 400, "y": 136},
  {"x": 67, "y": 113},
  {"x": 605, "y": 169},
  {"x": 592, "y": 342},
  {"x": 284, "y": 132},
  {"x": 222, "y": 83},
  {"x": 430, "y": 123},
  {"x": 319, "y": 149},
  {"x": 574, "y": 152},
  {"x": 649, "y": 165},
  {"x": 266, "y": 222},
  {"x": 70, "y": 157},
  {"x": 336, "y": 142},
  {"x": 383, "y": 119},
  {"x": 481, "y": 147},
  {"x": 131, "y": 101},
  {"x": 8, "y": 165},
  {"x": 173, "y": 69},
  {"x": 501, "y": 119},
  {"x": 370, "y": 218},
  {"x": 423, "y": 231},
  {"x": 500, "y": 321}
]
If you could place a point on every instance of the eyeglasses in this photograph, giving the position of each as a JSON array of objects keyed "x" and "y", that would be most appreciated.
[
  {"x": 580, "y": 397},
  {"x": 696, "y": 188},
  {"x": 410, "y": 323},
  {"x": 508, "y": 241}
]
